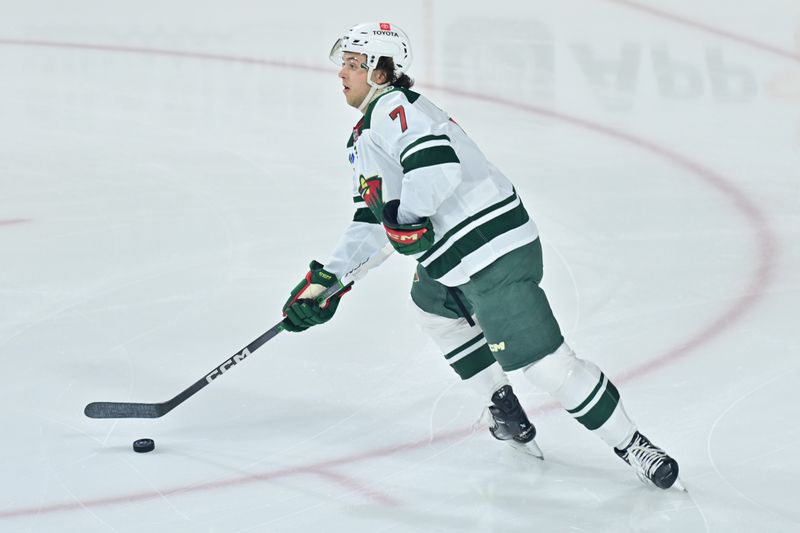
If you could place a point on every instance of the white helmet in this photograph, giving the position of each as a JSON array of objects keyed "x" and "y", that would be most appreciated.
[{"x": 376, "y": 40}]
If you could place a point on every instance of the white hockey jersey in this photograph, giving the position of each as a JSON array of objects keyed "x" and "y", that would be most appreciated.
[{"x": 406, "y": 148}]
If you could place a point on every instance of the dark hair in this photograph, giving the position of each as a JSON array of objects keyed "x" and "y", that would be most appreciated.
[{"x": 386, "y": 65}]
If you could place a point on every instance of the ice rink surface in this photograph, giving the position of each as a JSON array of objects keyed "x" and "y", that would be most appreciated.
[{"x": 168, "y": 169}]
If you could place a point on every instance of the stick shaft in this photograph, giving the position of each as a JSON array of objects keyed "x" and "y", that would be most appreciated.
[{"x": 156, "y": 410}]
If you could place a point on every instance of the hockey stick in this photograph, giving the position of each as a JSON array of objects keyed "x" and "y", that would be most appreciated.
[{"x": 156, "y": 410}]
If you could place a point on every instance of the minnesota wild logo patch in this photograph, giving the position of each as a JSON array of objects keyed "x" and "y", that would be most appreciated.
[{"x": 371, "y": 190}]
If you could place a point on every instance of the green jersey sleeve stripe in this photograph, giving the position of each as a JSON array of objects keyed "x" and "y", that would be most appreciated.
[
  {"x": 422, "y": 140},
  {"x": 476, "y": 238},
  {"x": 365, "y": 214},
  {"x": 428, "y": 157},
  {"x": 461, "y": 225}
]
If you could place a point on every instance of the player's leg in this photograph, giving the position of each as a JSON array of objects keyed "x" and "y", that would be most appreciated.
[
  {"x": 466, "y": 351},
  {"x": 587, "y": 394},
  {"x": 513, "y": 310},
  {"x": 519, "y": 324}
]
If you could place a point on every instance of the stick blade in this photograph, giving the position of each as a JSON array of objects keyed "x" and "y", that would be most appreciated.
[{"x": 124, "y": 410}]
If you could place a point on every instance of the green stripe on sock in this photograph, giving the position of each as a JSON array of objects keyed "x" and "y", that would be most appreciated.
[
  {"x": 464, "y": 346},
  {"x": 602, "y": 410},
  {"x": 473, "y": 363},
  {"x": 588, "y": 398}
]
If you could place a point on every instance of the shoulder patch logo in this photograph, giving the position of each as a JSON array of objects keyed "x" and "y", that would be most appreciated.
[
  {"x": 385, "y": 26},
  {"x": 371, "y": 190}
]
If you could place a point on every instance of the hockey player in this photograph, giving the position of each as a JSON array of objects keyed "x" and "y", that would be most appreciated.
[{"x": 423, "y": 184}]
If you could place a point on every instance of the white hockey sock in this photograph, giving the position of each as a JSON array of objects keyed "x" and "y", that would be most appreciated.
[
  {"x": 585, "y": 392},
  {"x": 488, "y": 381},
  {"x": 466, "y": 351},
  {"x": 464, "y": 347}
]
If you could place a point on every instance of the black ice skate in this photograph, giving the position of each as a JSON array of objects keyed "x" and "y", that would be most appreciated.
[
  {"x": 651, "y": 463},
  {"x": 511, "y": 424}
]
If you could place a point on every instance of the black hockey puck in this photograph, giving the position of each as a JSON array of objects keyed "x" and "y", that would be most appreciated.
[{"x": 144, "y": 445}]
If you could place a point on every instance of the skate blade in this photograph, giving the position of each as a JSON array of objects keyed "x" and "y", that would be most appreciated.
[
  {"x": 679, "y": 485},
  {"x": 530, "y": 448}
]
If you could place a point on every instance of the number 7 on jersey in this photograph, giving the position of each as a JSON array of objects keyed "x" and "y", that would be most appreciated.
[{"x": 400, "y": 112}]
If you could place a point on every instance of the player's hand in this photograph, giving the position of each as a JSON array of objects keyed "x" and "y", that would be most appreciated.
[
  {"x": 302, "y": 309},
  {"x": 408, "y": 239}
]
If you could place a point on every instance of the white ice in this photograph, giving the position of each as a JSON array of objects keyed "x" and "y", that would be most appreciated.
[{"x": 168, "y": 169}]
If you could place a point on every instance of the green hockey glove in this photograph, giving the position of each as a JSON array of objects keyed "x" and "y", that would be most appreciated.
[
  {"x": 408, "y": 239},
  {"x": 302, "y": 309}
]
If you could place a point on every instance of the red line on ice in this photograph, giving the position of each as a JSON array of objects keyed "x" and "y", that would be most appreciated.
[
  {"x": 12, "y": 221},
  {"x": 321, "y": 468},
  {"x": 766, "y": 245},
  {"x": 707, "y": 28},
  {"x": 765, "y": 240}
]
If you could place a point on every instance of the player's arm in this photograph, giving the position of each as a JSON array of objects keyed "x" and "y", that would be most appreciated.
[
  {"x": 361, "y": 240},
  {"x": 431, "y": 169}
]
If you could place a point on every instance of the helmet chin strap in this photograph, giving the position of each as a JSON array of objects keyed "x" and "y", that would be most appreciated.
[{"x": 374, "y": 91}]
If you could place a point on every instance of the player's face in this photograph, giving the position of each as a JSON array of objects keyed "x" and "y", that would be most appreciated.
[{"x": 354, "y": 78}]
